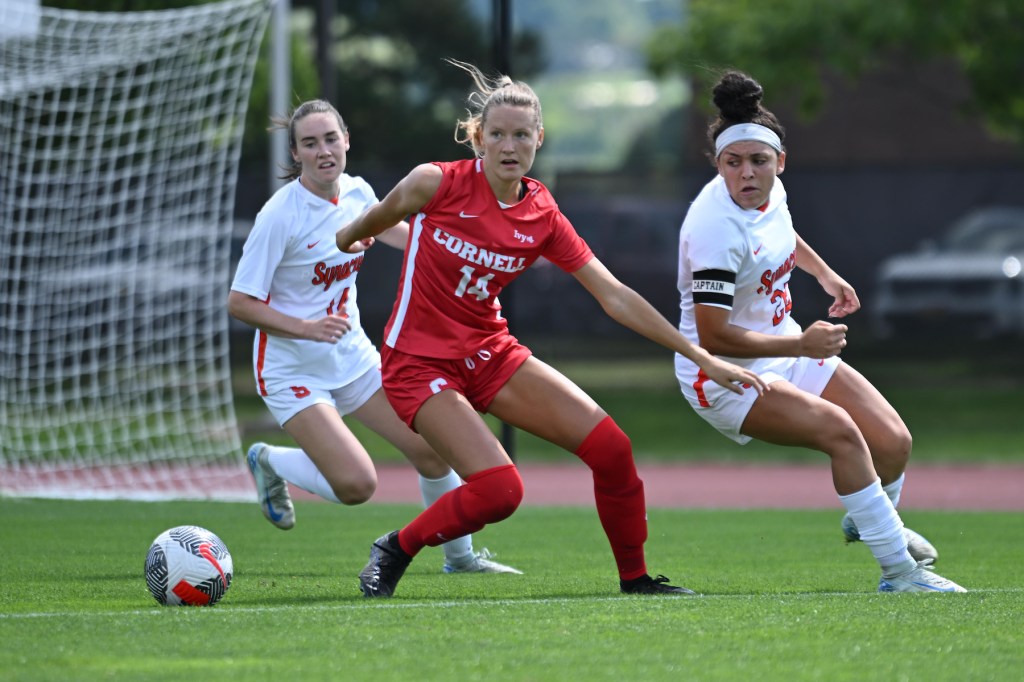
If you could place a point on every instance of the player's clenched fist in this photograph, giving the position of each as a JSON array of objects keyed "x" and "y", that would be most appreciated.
[
  {"x": 823, "y": 340},
  {"x": 329, "y": 329}
]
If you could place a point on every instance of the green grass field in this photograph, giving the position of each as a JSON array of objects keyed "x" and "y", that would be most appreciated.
[{"x": 782, "y": 599}]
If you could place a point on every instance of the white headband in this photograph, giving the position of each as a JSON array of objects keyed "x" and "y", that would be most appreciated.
[{"x": 747, "y": 131}]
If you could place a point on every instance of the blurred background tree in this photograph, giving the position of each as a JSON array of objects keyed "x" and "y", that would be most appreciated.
[
  {"x": 385, "y": 64},
  {"x": 791, "y": 45},
  {"x": 398, "y": 96}
]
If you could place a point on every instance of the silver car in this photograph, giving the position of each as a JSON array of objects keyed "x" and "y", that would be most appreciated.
[{"x": 969, "y": 282}]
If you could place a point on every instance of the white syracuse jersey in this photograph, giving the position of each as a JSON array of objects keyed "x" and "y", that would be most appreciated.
[
  {"x": 290, "y": 260},
  {"x": 741, "y": 260}
]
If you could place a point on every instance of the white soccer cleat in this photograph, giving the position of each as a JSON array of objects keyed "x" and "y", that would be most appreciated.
[
  {"x": 271, "y": 489},
  {"x": 918, "y": 547},
  {"x": 919, "y": 577},
  {"x": 482, "y": 562}
]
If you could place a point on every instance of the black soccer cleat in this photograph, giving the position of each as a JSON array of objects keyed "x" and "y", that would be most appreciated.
[
  {"x": 385, "y": 568},
  {"x": 645, "y": 584}
]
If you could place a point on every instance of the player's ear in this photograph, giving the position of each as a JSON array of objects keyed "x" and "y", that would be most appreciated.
[
  {"x": 540, "y": 137},
  {"x": 782, "y": 163}
]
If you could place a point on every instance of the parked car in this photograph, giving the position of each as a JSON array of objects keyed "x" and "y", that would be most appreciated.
[{"x": 967, "y": 283}]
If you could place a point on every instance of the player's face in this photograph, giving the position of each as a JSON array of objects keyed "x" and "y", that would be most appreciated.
[
  {"x": 320, "y": 146},
  {"x": 749, "y": 169},
  {"x": 510, "y": 139}
]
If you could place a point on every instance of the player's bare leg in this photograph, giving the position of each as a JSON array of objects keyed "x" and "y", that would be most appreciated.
[
  {"x": 435, "y": 479},
  {"x": 788, "y": 416},
  {"x": 888, "y": 440},
  {"x": 540, "y": 400}
]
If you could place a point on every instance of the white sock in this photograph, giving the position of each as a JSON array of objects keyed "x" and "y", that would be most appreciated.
[
  {"x": 880, "y": 526},
  {"x": 894, "y": 489},
  {"x": 459, "y": 550},
  {"x": 295, "y": 466}
]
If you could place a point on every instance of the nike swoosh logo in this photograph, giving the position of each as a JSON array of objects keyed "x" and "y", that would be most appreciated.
[
  {"x": 310, "y": 246},
  {"x": 933, "y": 588},
  {"x": 758, "y": 249},
  {"x": 463, "y": 214},
  {"x": 274, "y": 514}
]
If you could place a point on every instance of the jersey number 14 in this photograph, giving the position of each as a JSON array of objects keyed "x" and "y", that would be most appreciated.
[{"x": 479, "y": 289}]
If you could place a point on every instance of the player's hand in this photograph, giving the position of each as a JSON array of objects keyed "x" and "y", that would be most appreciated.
[
  {"x": 845, "y": 298},
  {"x": 361, "y": 245},
  {"x": 345, "y": 243},
  {"x": 329, "y": 329},
  {"x": 733, "y": 377},
  {"x": 823, "y": 340}
]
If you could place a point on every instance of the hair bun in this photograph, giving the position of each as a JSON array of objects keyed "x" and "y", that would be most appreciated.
[{"x": 738, "y": 96}]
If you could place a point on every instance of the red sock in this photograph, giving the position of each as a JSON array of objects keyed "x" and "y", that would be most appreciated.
[
  {"x": 619, "y": 494},
  {"x": 487, "y": 496}
]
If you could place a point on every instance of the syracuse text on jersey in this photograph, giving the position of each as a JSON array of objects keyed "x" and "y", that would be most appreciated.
[{"x": 329, "y": 274}]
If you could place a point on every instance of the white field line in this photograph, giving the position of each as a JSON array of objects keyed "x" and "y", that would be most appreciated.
[{"x": 475, "y": 603}]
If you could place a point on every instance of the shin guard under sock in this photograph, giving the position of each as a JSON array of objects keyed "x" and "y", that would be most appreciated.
[{"x": 619, "y": 494}]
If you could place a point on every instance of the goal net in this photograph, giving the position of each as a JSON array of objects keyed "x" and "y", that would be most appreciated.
[{"x": 119, "y": 148}]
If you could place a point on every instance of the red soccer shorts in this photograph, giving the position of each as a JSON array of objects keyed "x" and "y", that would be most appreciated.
[{"x": 409, "y": 380}]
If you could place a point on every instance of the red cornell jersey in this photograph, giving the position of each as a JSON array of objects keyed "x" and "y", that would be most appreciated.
[{"x": 464, "y": 248}]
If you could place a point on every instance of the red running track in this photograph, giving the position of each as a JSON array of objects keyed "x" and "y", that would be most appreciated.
[
  {"x": 728, "y": 486},
  {"x": 746, "y": 486}
]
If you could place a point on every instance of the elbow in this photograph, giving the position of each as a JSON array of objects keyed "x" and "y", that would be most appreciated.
[
  {"x": 617, "y": 310},
  {"x": 712, "y": 345},
  {"x": 238, "y": 305}
]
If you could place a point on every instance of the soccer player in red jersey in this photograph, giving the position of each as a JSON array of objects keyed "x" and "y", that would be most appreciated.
[{"x": 475, "y": 225}]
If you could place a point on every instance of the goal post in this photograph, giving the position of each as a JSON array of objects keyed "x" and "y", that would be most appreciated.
[{"x": 120, "y": 138}]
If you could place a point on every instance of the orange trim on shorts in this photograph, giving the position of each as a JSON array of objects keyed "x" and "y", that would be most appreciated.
[
  {"x": 261, "y": 356},
  {"x": 698, "y": 386}
]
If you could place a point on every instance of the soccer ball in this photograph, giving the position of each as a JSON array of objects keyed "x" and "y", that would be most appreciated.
[{"x": 188, "y": 566}]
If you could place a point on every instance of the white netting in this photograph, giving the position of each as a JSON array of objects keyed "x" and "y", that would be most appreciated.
[{"x": 119, "y": 147}]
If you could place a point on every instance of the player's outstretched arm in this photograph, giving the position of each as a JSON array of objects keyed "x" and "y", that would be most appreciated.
[
  {"x": 410, "y": 195},
  {"x": 395, "y": 237},
  {"x": 845, "y": 300},
  {"x": 632, "y": 310}
]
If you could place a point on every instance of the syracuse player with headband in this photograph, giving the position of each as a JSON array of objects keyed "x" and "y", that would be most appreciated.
[
  {"x": 448, "y": 355},
  {"x": 313, "y": 362},
  {"x": 737, "y": 252}
]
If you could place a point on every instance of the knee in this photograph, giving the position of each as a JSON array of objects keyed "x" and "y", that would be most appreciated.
[
  {"x": 895, "y": 447},
  {"x": 608, "y": 452},
  {"x": 353, "y": 491},
  {"x": 902, "y": 443},
  {"x": 841, "y": 437},
  {"x": 496, "y": 494}
]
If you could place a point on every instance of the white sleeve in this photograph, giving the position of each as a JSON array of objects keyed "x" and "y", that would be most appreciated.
[
  {"x": 262, "y": 253},
  {"x": 717, "y": 245},
  {"x": 366, "y": 195}
]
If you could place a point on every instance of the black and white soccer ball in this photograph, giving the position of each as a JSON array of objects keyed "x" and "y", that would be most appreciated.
[{"x": 188, "y": 566}]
